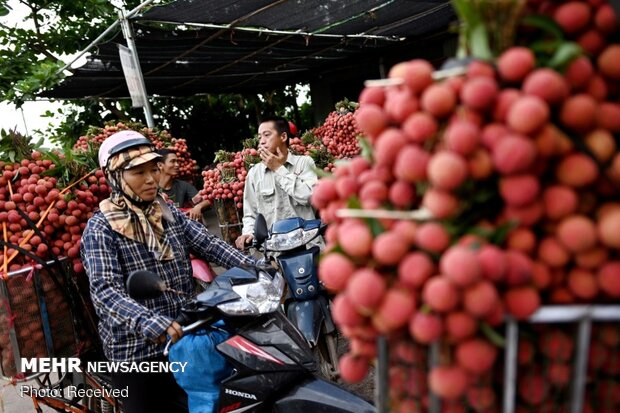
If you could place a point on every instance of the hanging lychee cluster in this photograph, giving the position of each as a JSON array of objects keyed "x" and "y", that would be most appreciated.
[{"x": 516, "y": 162}]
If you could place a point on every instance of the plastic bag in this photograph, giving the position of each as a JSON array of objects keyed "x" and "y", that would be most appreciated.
[{"x": 205, "y": 368}]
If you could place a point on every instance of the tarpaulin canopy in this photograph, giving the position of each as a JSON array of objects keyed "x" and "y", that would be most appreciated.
[
  {"x": 209, "y": 46},
  {"x": 399, "y": 18}
]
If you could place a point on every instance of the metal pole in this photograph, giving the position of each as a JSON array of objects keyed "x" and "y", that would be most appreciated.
[
  {"x": 615, "y": 4},
  {"x": 580, "y": 369},
  {"x": 128, "y": 15},
  {"x": 131, "y": 45},
  {"x": 90, "y": 46},
  {"x": 24, "y": 120},
  {"x": 262, "y": 30},
  {"x": 433, "y": 351},
  {"x": 382, "y": 376},
  {"x": 573, "y": 313},
  {"x": 510, "y": 367}
]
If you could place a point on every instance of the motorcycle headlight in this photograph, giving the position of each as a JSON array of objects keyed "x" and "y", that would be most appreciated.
[
  {"x": 260, "y": 297},
  {"x": 289, "y": 240}
]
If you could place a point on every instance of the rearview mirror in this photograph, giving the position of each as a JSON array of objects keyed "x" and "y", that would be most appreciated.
[
  {"x": 260, "y": 229},
  {"x": 144, "y": 285}
]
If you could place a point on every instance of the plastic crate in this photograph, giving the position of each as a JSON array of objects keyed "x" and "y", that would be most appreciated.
[{"x": 35, "y": 318}]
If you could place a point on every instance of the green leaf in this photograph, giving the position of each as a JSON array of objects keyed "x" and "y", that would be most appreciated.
[
  {"x": 480, "y": 43},
  {"x": 493, "y": 336},
  {"x": 425, "y": 309},
  {"x": 50, "y": 172},
  {"x": 366, "y": 148},
  {"x": 566, "y": 53},
  {"x": 52, "y": 156},
  {"x": 375, "y": 226},
  {"x": 339, "y": 163},
  {"x": 421, "y": 188},
  {"x": 321, "y": 173},
  {"x": 545, "y": 23},
  {"x": 468, "y": 18},
  {"x": 501, "y": 233},
  {"x": 486, "y": 233},
  {"x": 545, "y": 46},
  {"x": 466, "y": 12},
  {"x": 354, "y": 203}
]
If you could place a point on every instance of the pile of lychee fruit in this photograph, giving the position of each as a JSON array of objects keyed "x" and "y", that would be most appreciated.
[
  {"x": 339, "y": 132},
  {"x": 517, "y": 166},
  {"x": 160, "y": 138},
  {"x": 59, "y": 212},
  {"x": 227, "y": 179},
  {"x": 31, "y": 196}
]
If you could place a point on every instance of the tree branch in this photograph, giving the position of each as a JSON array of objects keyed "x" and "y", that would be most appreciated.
[
  {"x": 38, "y": 44},
  {"x": 112, "y": 108},
  {"x": 41, "y": 49}
]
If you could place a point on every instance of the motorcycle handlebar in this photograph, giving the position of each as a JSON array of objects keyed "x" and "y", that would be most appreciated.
[
  {"x": 186, "y": 329},
  {"x": 182, "y": 319}
]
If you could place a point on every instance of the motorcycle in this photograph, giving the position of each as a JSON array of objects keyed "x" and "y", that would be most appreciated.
[
  {"x": 307, "y": 304},
  {"x": 273, "y": 365}
]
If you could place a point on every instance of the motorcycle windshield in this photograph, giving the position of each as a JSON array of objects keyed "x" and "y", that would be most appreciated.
[
  {"x": 243, "y": 291},
  {"x": 287, "y": 225},
  {"x": 292, "y": 233},
  {"x": 291, "y": 224},
  {"x": 221, "y": 290}
]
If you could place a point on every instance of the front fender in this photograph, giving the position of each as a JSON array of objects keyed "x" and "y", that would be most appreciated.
[
  {"x": 315, "y": 395},
  {"x": 309, "y": 317}
]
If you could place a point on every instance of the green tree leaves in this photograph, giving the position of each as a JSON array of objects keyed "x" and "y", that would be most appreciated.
[
  {"x": 39, "y": 34},
  {"x": 31, "y": 51}
]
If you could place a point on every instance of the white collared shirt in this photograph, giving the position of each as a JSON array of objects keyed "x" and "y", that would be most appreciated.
[{"x": 280, "y": 194}]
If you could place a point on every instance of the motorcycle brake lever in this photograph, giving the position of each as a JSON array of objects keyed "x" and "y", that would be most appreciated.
[
  {"x": 167, "y": 348},
  {"x": 186, "y": 329},
  {"x": 195, "y": 325}
]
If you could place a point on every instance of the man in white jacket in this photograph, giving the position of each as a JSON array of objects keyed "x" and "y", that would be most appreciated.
[{"x": 279, "y": 186}]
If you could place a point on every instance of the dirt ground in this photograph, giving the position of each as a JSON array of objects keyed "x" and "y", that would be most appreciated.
[
  {"x": 11, "y": 400},
  {"x": 365, "y": 388}
]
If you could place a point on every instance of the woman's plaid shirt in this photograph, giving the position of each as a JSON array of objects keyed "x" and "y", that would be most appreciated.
[{"x": 128, "y": 327}]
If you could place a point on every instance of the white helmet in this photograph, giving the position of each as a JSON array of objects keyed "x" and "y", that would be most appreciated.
[{"x": 119, "y": 142}]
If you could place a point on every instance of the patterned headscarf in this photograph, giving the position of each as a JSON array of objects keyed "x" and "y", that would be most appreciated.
[{"x": 127, "y": 213}]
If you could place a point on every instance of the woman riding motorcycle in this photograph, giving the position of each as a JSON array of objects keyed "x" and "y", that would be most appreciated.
[{"x": 136, "y": 230}]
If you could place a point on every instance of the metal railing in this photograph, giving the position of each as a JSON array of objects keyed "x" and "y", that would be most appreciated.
[{"x": 582, "y": 315}]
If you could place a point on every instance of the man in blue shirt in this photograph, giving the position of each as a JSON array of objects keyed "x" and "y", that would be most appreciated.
[{"x": 136, "y": 230}]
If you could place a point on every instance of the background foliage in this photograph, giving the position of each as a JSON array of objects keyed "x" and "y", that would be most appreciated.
[{"x": 32, "y": 53}]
